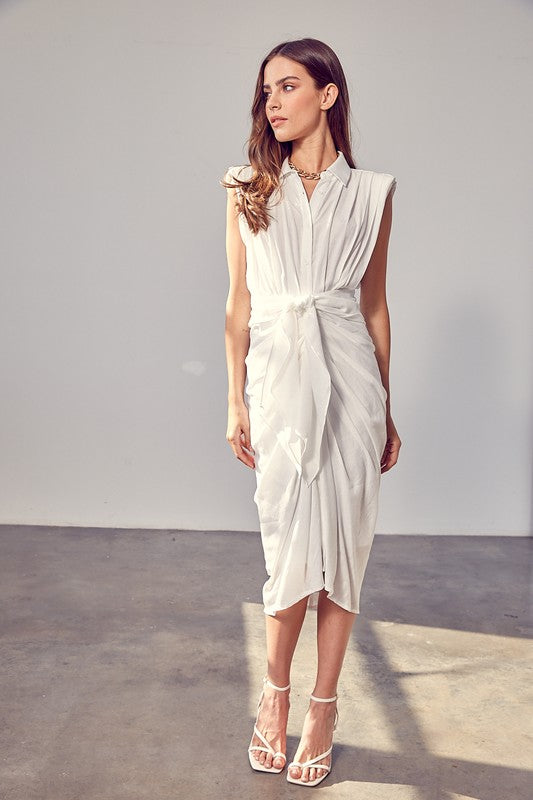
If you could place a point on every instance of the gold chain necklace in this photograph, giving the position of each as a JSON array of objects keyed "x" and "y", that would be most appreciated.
[{"x": 315, "y": 176}]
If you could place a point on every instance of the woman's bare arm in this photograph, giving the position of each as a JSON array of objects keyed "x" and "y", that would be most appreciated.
[
  {"x": 373, "y": 303},
  {"x": 237, "y": 335},
  {"x": 373, "y": 299}
]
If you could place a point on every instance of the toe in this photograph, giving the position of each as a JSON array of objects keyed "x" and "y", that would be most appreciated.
[
  {"x": 295, "y": 772},
  {"x": 279, "y": 762}
]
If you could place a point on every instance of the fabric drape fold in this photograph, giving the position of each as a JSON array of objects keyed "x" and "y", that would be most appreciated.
[{"x": 296, "y": 386}]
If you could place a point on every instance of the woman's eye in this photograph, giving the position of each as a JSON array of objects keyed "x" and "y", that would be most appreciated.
[{"x": 285, "y": 85}]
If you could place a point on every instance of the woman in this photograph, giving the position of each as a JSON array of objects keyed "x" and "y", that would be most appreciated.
[{"x": 305, "y": 230}]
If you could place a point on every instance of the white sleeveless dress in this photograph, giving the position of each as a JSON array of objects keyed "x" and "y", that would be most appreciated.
[{"x": 313, "y": 388}]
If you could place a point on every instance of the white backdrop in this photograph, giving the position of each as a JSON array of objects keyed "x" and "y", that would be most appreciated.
[{"x": 118, "y": 119}]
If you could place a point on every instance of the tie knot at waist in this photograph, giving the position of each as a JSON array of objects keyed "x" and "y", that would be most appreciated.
[
  {"x": 300, "y": 303},
  {"x": 266, "y": 307},
  {"x": 296, "y": 384}
]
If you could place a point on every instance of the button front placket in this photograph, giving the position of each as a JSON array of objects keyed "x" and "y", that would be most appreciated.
[
  {"x": 308, "y": 211},
  {"x": 310, "y": 208},
  {"x": 307, "y": 233}
]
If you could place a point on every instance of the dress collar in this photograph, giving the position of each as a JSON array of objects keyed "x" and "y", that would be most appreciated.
[{"x": 340, "y": 168}]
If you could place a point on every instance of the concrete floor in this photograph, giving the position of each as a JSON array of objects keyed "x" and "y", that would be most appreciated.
[{"x": 132, "y": 660}]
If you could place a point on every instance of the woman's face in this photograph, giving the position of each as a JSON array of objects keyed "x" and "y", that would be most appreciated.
[{"x": 289, "y": 92}]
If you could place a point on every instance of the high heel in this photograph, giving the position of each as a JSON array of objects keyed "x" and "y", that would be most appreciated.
[
  {"x": 254, "y": 763},
  {"x": 313, "y": 761}
]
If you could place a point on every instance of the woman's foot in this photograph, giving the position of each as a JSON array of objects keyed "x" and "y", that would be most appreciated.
[
  {"x": 317, "y": 736},
  {"x": 272, "y": 716}
]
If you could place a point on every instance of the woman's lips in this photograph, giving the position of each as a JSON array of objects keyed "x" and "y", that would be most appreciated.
[{"x": 278, "y": 121}]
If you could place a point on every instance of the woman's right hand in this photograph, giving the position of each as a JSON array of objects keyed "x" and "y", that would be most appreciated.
[{"x": 238, "y": 434}]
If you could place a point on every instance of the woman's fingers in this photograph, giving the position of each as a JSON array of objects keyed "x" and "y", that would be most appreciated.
[
  {"x": 238, "y": 434},
  {"x": 247, "y": 442},
  {"x": 390, "y": 454},
  {"x": 244, "y": 448},
  {"x": 240, "y": 444}
]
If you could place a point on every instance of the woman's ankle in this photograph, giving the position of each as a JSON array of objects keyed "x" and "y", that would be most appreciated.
[
  {"x": 323, "y": 691},
  {"x": 279, "y": 679}
]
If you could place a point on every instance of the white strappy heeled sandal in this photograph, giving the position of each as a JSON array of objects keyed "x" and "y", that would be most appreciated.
[
  {"x": 313, "y": 761},
  {"x": 254, "y": 763}
]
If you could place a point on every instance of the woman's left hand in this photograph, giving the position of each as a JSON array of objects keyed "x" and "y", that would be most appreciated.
[{"x": 392, "y": 448}]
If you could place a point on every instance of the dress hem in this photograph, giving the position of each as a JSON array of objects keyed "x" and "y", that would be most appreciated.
[{"x": 308, "y": 594}]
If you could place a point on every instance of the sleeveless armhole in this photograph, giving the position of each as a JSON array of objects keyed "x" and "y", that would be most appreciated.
[
  {"x": 243, "y": 172},
  {"x": 232, "y": 173},
  {"x": 381, "y": 187},
  {"x": 235, "y": 172}
]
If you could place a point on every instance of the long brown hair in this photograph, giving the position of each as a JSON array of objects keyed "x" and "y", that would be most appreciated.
[{"x": 265, "y": 153}]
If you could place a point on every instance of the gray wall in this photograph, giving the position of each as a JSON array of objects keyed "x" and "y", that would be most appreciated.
[{"x": 118, "y": 120}]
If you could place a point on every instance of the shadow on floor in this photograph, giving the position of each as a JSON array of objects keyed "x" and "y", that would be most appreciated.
[{"x": 127, "y": 660}]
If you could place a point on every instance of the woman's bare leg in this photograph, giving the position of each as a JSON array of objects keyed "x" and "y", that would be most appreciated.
[
  {"x": 334, "y": 625},
  {"x": 282, "y": 632}
]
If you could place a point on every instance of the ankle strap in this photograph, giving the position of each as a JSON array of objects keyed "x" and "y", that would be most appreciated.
[
  {"x": 323, "y": 699},
  {"x": 273, "y": 685}
]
